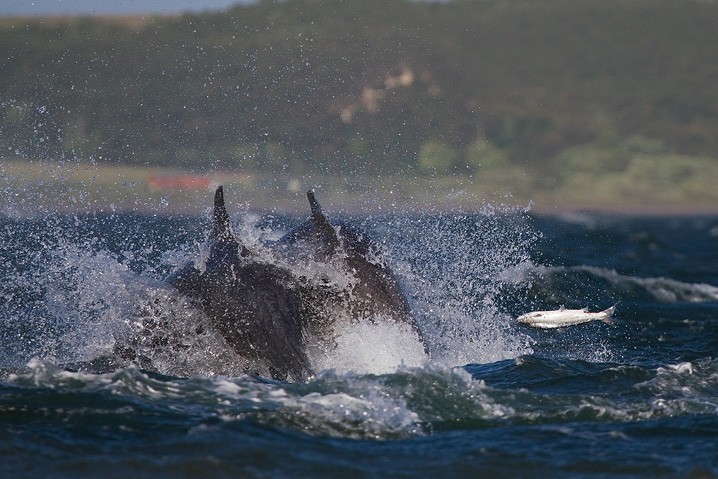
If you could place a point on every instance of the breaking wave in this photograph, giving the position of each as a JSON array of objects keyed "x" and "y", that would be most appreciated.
[
  {"x": 563, "y": 285},
  {"x": 409, "y": 402}
]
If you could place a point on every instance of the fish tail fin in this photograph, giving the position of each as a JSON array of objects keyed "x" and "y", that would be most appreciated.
[{"x": 609, "y": 313}]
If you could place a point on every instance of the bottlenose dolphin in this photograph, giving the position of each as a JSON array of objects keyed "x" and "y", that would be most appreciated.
[
  {"x": 375, "y": 291},
  {"x": 267, "y": 311},
  {"x": 256, "y": 305}
]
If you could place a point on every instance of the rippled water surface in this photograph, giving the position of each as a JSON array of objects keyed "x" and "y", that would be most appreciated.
[{"x": 496, "y": 399}]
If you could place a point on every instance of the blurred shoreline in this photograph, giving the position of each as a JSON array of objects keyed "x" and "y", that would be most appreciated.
[{"x": 32, "y": 188}]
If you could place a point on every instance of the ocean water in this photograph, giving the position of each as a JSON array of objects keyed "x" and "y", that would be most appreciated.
[{"x": 495, "y": 399}]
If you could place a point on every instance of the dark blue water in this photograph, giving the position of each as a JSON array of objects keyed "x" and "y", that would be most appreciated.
[{"x": 497, "y": 399}]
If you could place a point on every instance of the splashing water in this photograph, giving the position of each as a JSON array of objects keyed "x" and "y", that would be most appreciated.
[
  {"x": 74, "y": 286},
  {"x": 455, "y": 268},
  {"x": 88, "y": 285}
]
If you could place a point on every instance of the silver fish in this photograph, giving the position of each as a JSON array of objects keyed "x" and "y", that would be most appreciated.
[{"x": 565, "y": 317}]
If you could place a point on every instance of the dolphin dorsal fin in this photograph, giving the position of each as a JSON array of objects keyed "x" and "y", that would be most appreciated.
[
  {"x": 321, "y": 226},
  {"x": 220, "y": 227}
]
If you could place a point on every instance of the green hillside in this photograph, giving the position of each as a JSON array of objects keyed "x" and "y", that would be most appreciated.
[{"x": 614, "y": 95}]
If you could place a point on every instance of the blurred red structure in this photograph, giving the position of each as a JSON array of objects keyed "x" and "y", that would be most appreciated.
[{"x": 157, "y": 182}]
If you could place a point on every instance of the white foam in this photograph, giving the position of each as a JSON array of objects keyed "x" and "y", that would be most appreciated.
[
  {"x": 371, "y": 347},
  {"x": 684, "y": 367},
  {"x": 662, "y": 289}
]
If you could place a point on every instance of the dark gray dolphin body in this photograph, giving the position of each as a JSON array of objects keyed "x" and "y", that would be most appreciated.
[
  {"x": 256, "y": 305},
  {"x": 376, "y": 291},
  {"x": 264, "y": 310}
]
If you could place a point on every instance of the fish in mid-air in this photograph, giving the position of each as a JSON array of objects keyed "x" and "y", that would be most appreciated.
[{"x": 565, "y": 317}]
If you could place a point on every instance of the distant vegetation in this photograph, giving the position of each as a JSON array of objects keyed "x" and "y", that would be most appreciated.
[{"x": 567, "y": 90}]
